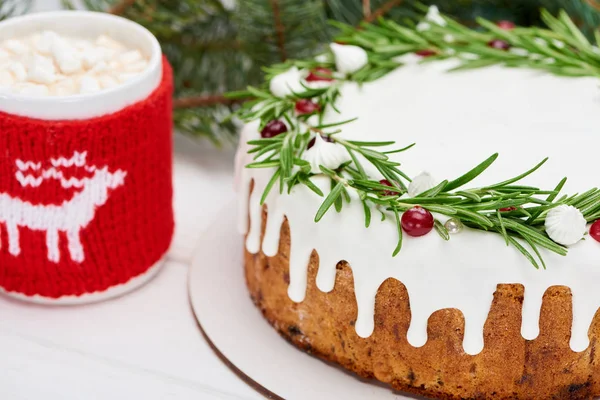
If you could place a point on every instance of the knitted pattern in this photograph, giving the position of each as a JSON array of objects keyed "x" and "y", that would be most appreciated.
[{"x": 86, "y": 205}]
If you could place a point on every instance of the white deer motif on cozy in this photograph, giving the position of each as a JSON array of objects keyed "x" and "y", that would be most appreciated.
[{"x": 70, "y": 217}]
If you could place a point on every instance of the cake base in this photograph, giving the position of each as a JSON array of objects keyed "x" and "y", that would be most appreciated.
[
  {"x": 246, "y": 342},
  {"x": 509, "y": 367},
  {"x": 87, "y": 298}
]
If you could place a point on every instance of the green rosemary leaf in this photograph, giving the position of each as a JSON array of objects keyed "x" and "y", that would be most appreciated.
[
  {"x": 263, "y": 164},
  {"x": 309, "y": 184},
  {"x": 502, "y": 228},
  {"x": 473, "y": 64},
  {"x": 441, "y": 229},
  {"x": 358, "y": 164},
  {"x": 258, "y": 93},
  {"x": 518, "y": 177},
  {"x": 575, "y": 32},
  {"x": 367, "y": 210},
  {"x": 334, "y": 124},
  {"x": 399, "y": 228},
  {"x": 435, "y": 190},
  {"x": 371, "y": 144},
  {"x": 399, "y": 150},
  {"x": 472, "y": 174},
  {"x": 523, "y": 251},
  {"x": 474, "y": 217},
  {"x": 469, "y": 195},
  {"x": 442, "y": 209},
  {"x": 269, "y": 186},
  {"x": 329, "y": 200},
  {"x": 535, "y": 249}
]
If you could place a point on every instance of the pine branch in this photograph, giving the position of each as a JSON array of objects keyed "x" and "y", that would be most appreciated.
[
  {"x": 9, "y": 8},
  {"x": 204, "y": 100},
  {"x": 381, "y": 11},
  {"x": 279, "y": 28},
  {"x": 121, "y": 7},
  {"x": 366, "y": 8},
  {"x": 595, "y": 4}
]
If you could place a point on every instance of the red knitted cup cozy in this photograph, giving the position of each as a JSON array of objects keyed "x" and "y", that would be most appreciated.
[{"x": 85, "y": 205}]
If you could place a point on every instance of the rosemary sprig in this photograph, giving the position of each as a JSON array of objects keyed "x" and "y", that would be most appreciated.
[{"x": 514, "y": 211}]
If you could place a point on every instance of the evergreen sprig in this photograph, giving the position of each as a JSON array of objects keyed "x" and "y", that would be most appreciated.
[{"x": 514, "y": 211}]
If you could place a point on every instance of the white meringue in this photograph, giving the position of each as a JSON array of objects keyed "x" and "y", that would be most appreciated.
[
  {"x": 565, "y": 225},
  {"x": 327, "y": 154},
  {"x": 348, "y": 58},
  {"x": 421, "y": 183},
  {"x": 286, "y": 83},
  {"x": 433, "y": 15}
]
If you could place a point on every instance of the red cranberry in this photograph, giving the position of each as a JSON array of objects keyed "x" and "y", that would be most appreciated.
[
  {"x": 506, "y": 25},
  {"x": 273, "y": 128},
  {"x": 426, "y": 53},
  {"x": 305, "y": 106},
  {"x": 313, "y": 140},
  {"x": 320, "y": 74},
  {"x": 499, "y": 44},
  {"x": 595, "y": 230},
  {"x": 388, "y": 192},
  {"x": 417, "y": 221},
  {"x": 508, "y": 209}
]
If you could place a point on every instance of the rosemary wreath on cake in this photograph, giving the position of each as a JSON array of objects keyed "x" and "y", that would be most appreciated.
[{"x": 291, "y": 106}]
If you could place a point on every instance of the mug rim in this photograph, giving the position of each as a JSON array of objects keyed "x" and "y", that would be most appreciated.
[{"x": 72, "y": 106}]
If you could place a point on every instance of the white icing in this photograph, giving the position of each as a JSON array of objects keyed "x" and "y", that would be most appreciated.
[
  {"x": 48, "y": 64},
  {"x": 329, "y": 155},
  {"x": 421, "y": 183},
  {"x": 525, "y": 116},
  {"x": 348, "y": 58},
  {"x": 565, "y": 225}
]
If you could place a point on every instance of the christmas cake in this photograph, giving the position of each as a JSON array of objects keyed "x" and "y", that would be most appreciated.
[{"x": 420, "y": 206}]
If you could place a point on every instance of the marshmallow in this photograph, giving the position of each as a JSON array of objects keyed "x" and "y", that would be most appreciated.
[
  {"x": 136, "y": 67},
  {"x": 43, "y": 42},
  {"x": 64, "y": 87},
  {"x": 91, "y": 57},
  {"x": 41, "y": 69},
  {"x": 6, "y": 78},
  {"x": 18, "y": 70},
  {"x": 66, "y": 57},
  {"x": 130, "y": 57},
  {"x": 32, "y": 89},
  {"x": 98, "y": 68},
  {"x": 108, "y": 82},
  {"x": 46, "y": 63},
  {"x": 105, "y": 41},
  {"x": 4, "y": 55},
  {"x": 88, "y": 84},
  {"x": 16, "y": 46}
]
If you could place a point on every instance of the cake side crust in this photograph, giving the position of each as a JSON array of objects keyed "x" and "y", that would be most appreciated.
[{"x": 509, "y": 367}]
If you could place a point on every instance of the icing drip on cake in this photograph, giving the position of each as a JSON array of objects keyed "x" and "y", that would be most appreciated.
[{"x": 457, "y": 119}]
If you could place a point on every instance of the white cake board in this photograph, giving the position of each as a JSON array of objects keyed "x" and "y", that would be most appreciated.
[{"x": 246, "y": 342}]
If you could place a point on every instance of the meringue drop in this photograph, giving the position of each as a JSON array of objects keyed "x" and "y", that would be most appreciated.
[
  {"x": 565, "y": 225},
  {"x": 348, "y": 58},
  {"x": 421, "y": 183},
  {"x": 329, "y": 155},
  {"x": 287, "y": 83},
  {"x": 433, "y": 15}
]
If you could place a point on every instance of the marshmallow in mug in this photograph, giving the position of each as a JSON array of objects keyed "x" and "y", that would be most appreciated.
[{"x": 49, "y": 64}]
